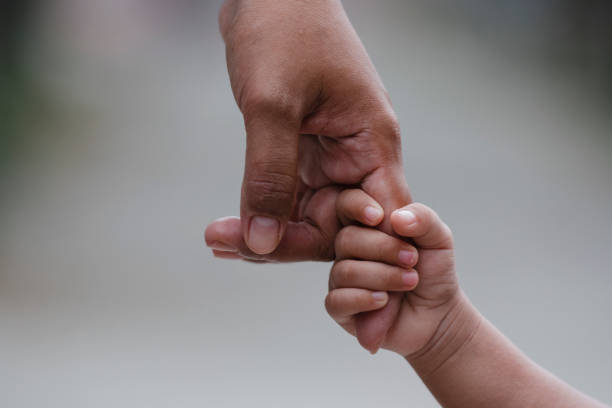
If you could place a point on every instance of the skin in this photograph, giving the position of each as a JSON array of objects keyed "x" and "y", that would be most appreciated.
[
  {"x": 461, "y": 357},
  {"x": 317, "y": 118},
  {"x": 368, "y": 259}
]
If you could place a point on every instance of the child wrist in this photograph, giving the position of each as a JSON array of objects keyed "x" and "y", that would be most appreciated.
[{"x": 455, "y": 331}]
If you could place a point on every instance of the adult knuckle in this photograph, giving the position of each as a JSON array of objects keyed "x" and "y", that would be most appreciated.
[
  {"x": 269, "y": 101},
  {"x": 268, "y": 190},
  {"x": 389, "y": 127}
]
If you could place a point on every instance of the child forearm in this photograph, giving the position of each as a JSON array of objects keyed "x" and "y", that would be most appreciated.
[{"x": 469, "y": 363}]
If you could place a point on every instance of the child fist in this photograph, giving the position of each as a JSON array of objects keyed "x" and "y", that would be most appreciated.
[{"x": 369, "y": 263}]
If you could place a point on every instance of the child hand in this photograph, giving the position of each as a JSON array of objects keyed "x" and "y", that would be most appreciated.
[
  {"x": 370, "y": 263},
  {"x": 461, "y": 357}
]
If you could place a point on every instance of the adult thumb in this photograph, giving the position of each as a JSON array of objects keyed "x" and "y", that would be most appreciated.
[{"x": 270, "y": 177}]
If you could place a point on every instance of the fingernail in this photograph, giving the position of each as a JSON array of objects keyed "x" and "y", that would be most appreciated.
[
  {"x": 372, "y": 214},
  {"x": 226, "y": 255},
  {"x": 406, "y": 216},
  {"x": 410, "y": 278},
  {"x": 380, "y": 297},
  {"x": 263, "y": 234},
  {"x": 406, "y": 257},
  {"x": 222, "y": 246}
]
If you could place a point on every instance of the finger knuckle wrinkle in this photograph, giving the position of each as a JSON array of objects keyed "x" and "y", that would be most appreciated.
[
  {"x": 275, "y": 190},
  {"x": 389, "y": 279}
]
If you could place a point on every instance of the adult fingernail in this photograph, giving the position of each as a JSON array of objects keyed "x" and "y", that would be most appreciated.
[
  {"x": 406, "y": 216},
  {"x": 222, "y": 246},
  {"x": 262, "y": 237},
  {"x": 226, "y": 255},
  {"x": 406, "y": 257},
  {"x": 380, "y": 297},
  {"x": 372, "y": 214}
]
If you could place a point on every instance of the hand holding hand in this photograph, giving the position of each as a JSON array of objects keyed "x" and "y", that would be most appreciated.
[
  {"x": 370, "y": 264},
  {"x": 316, "y": 115}
]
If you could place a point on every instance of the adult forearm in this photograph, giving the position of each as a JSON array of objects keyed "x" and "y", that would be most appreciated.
[{"x": 469, "y": 363}]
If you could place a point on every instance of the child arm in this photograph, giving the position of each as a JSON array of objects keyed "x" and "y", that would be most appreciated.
[{"x": 461, "y": 357}]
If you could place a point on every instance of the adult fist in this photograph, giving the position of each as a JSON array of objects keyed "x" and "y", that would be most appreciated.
[{"x": 316, "y": 114}]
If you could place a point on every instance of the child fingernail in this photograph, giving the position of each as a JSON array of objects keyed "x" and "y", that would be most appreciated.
[
  {"x": 379, "y": 297},
  {"x": 410, "y": 278},
  {"x": 407, "y": 216},
  {"x": 406, "y": 257},
  {"x": 372, "y": 214}
]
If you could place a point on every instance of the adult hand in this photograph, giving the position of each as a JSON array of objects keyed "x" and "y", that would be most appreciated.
[{"x": 316, "y": 114}]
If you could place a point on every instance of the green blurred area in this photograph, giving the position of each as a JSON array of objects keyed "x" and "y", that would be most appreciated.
[{"x": 13, "y": 81}]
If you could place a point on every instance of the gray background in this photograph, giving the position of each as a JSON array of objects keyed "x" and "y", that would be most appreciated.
[{"x": 131, "y": 143}]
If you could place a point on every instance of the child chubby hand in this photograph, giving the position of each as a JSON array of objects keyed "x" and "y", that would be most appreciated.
[
  {"x": 461, "y": 357},
  {"x": 369, "y": 263}
]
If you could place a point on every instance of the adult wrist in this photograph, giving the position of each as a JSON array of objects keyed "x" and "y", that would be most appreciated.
[
  {"x": 455, "y": 332},
  {"x": 230, "y": 9}
]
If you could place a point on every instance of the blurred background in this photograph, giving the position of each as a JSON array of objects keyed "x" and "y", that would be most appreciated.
[{"x": 120, "y": 141}]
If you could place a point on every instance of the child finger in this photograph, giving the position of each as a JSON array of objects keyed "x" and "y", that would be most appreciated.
[
  {"x": 373, "y": 245},
  {"x": 356, "y": 205},
  {"x": 372, "y": 275},
  {"x": 423, "y": 225},
  {"x": 344, "y": 302}
]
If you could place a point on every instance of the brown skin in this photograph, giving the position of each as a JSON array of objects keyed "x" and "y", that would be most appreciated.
[
  {"x": 298, "y": 69},
  {"x": 461, "y": 357},
  {"x": 316, "y": 115}
]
